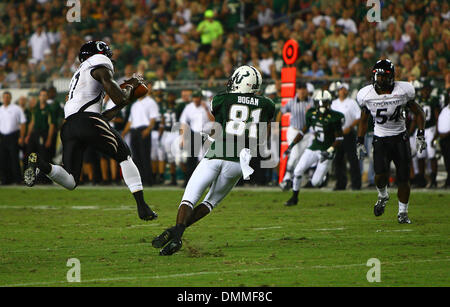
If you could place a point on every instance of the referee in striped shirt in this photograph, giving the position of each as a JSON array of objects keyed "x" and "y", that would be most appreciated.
[{"x": 297, "y": 106}]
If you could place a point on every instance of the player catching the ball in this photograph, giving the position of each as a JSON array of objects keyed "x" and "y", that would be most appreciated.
[
  {"x": 387, "y": 99},
  {"x": 237, "y": 112},
  {"x": 85, "y": 125}
]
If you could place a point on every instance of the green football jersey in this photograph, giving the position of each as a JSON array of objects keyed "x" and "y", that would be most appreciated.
[
  {"x": 429, "y": 107},
  {"x": 324, "y": 126},
  {"x": 236, "y": 114},
  {"x": 170, "y": 117}
]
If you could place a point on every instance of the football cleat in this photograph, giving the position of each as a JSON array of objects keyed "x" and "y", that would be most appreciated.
[
  {"x": 162, "y": 239},
  {"x": 292, "y": 201},
  {"x": 30, "y": 173},
  {"x": 145, "y": 213},
  {"x": 286, "y": 185},
  {"x": 378, "y": 209},
  {"x": 403, "y": 218},
  {"x": 171, "y": 248}
]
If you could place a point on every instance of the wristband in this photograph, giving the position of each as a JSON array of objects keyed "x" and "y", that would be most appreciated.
[
  {"x": 420, "y": 132},
  {"x": 360, "y": 140}
]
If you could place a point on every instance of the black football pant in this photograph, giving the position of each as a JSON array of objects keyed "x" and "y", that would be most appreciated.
[
  {"x": 84, "y": 129},
  {"x": 396, "y": 149}
]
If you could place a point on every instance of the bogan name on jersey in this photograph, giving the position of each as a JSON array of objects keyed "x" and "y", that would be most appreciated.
[{"x": 248, "y": 100}]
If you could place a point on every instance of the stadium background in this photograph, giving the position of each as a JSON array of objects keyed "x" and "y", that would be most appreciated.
[{"x": 159, "y": 40}]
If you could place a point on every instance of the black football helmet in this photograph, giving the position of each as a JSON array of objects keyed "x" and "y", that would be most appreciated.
[
  {"x": 383, "y": 75},
  {"x": 94, "y": 47}
]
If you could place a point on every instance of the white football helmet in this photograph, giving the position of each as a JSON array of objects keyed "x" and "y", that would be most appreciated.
[
  {"x": 322, "y": 100},
  {"x": 245, "y": 79}
]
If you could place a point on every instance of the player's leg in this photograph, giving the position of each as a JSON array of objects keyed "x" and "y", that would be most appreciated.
[
  {"x": 421, "y": 163},
  {"x": 320, "y": 172},
  {"x": 170, "y": 155},
  {"x": 308, "y": 158},
  {"x": 402, "y": 161},
  {"x": 431, "y": 154},
  {"x": 67, "y": 176},
  {"x": 109, "y": 142},
  {"x": 202, "y": 177},
  {"x": 229, "y": 176},
  {"x": 381, "y": 161},
  {"x": 292, "y": 161}
]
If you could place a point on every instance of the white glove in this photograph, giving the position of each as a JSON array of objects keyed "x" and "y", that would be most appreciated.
[{"x": 421, "y": 144}]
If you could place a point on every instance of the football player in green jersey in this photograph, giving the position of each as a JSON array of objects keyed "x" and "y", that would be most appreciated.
[
  {"x": 327, "y": 127},
  {"x": 431, "y": 108},
  {"x": 169, "y": 118},
  {"x": 238, "y": 114}
]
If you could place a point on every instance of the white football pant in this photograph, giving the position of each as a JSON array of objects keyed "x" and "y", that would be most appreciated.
[
  {"x": 220, "y": 175},
  {"x": 308, "y": 159},
  {"x": 296, "y": 151}
]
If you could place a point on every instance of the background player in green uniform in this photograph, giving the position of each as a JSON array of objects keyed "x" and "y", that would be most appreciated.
[
  {"x": 168, "y": 120},
  {"x": 327, "y": 126},
  {"x": 236, "y": 113},
  {"x": 431, "y": 108}
]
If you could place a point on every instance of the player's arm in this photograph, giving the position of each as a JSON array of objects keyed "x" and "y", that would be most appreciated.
[
  {"x": 297, "y": 139},
  {"x": 418, "y": 112},
  {"x": 361, "y": 151},
  {"x": 362, "y": 125},
  {"x": 121, "y": 97},
  {"x": 419, "y": 115}
]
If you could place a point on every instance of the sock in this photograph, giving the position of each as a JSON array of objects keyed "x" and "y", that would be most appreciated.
[
  {"x": 131, "y": 175},
  {"x": 295, "y": 194},
  {"x": 59, "y": 175},
  {"x": 382, "y": 192},
  {"x": 199, "y": 212},
  {"x": 402, "y": 207},
  {"x": 44, "y": 167},
  {"x": 139, "y": 197},
  {"x": 296, "y": 183},
  {"x": 178, "y": 231}
]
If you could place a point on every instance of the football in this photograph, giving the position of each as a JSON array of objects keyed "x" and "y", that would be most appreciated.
[{"x": 140, "y": 91}]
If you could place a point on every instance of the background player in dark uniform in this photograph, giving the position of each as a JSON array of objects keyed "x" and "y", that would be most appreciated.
[
  {"x": 85, "y": 126},
  {"x": 386, "y": 99}
]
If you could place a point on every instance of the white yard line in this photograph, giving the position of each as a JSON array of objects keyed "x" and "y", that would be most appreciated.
[{"x": 170, "y": 276}]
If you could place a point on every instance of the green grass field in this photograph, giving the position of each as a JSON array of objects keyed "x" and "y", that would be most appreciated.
[{"x": 251, "y": 239}]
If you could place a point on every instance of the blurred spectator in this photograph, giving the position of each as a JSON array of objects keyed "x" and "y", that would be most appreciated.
[
  {"x": 12, "y": 132},
  {"x": 347, "y": 151},
  {"x": 41, "y": 131},
  {"x": 209, "y": 30},
  {"x": 39, "y": 42},
  {"x": 193, "y": 120},
  {"x": 143, "y": 115}
]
